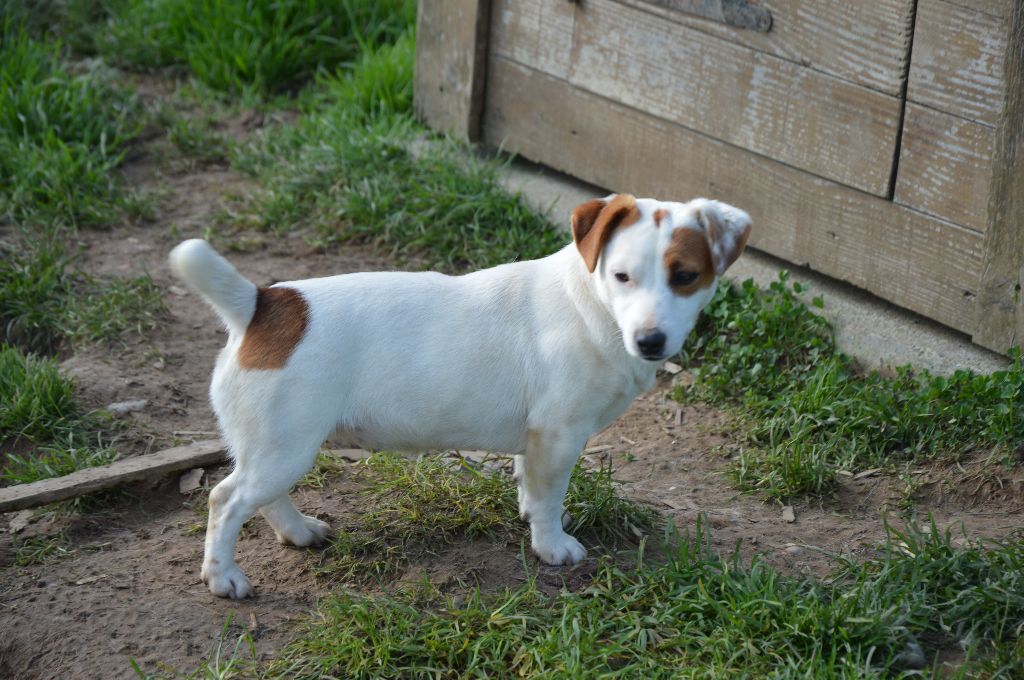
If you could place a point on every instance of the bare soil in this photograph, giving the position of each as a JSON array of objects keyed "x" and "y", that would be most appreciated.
[{"x": 126, "y": 585}]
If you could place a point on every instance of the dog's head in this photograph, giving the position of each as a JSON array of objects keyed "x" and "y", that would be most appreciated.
[{"x": 655, "y": 264}]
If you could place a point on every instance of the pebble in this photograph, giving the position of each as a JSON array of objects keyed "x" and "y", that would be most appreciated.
[{"x": 123, "y": 408}]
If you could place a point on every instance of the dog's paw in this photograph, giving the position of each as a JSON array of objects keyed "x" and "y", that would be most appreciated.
[
  {"x": 559, "y": 549},
  {"x": 310, "y": 532},
  {"x": 231, "y": 582}
]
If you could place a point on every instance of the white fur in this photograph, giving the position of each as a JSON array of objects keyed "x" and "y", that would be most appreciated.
[{"x": 529, "y": 358}]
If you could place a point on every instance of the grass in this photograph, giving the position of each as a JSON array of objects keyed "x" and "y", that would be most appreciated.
[
  {"x": 414, "y": 506},
  {"x": 61, "y": 134},
  {"x": 38, "y": 407},
  {"x": 688, "y": 613},
  {"x": 46, "y": 304},
  {"x": 40, "y": 549},
  {"x": 429, "y": 204},
  {"x": 257, "y": 47},
  {"x": 809, "y": 411}
]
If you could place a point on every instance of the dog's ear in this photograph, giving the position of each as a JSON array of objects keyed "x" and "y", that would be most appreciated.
[
  {"x": 594, "y": 222},
  {"x": 726, "y": 228}
]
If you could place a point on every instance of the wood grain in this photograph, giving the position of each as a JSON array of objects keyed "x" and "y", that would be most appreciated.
[
  {"x": 451, "y": 54},
  {"x": 534, "y": 31},
  {"x": 1000, "y": 309},
  {"x": 867, "y": 43},
  {"x": 829, "y": 127},
  {"x": 945, "y": 166},
  {"x": 89, "y": 480},
  {"x": 996, "y": 8},
  {"x": 916, "y": 261},
  {"x": 957, "y": 63}
]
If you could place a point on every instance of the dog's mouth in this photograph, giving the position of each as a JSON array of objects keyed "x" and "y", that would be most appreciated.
[{"x": 653, "y": 357}]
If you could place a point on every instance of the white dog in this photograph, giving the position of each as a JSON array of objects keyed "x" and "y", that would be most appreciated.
[{"x": 529, "y": 358}]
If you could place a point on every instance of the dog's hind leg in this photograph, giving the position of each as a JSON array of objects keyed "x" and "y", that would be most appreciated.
[
  {"x": 292, "y": 527},
  {"x": 261, "y": 478}
]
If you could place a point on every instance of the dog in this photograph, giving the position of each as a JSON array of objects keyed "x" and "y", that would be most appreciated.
[{"x": 529, "y": 358}]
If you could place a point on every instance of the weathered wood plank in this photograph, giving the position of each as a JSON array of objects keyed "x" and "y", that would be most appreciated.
[
  {"x": 94, "y": 479},
  {"x": 773, "y": 107},
  {"x": 1000, "y": 309},
  {"x": 918, "y": 262},
  {"x": 867, "y": 43},
  {"x": 997, "y": 8},
  {"x": 945, "y": 166},
  {"x": 451, "y": 54},
  {"x": 534, "y": 31},
  {"x": 957, "y": 62}
]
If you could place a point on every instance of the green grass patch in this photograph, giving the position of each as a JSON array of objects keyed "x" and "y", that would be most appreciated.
[
  {"x": 61, "y": 135},
  {"x": 689, "y": 613},
  {"x": 415, "y": 505},
  {"x": 255, "y": 47},
  {"x": 809, "y": 411},
  {"x": 38, "y": 407},
  {"x": 46, "y": 304},
  {"x": 427, "y": 202}
]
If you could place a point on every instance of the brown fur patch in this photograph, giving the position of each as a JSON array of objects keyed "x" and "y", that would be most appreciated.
[
  {"x": 689, "y": 252},
  {"x": 278, "y": 325},
  {"x": 659, "y": 215},
  {"x": 594, "y": 222}
]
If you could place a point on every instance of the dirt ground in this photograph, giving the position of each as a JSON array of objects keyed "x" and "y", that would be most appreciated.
[{"x": 128, "y": 584}]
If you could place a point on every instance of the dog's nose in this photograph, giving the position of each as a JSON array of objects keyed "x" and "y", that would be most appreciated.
[{"x": 651, "y": 343}]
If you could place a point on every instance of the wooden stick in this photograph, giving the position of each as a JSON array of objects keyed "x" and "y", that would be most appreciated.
[{"x": 85, "y": 481}]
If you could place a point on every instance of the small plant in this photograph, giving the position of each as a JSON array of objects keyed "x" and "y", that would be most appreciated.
[
  {"x": 221, "y": 665},
  {"x": 40, "y": 550},
  {"x": 809, "y": 410}
]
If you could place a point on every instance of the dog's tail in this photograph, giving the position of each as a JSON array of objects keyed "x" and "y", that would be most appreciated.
[{"x": 232, "y": 295}]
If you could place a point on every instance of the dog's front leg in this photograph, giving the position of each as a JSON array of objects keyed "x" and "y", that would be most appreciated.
[{"x": 543, "y": 480}]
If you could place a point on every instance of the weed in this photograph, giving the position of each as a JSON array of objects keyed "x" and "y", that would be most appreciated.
[
  {"x": 810, "y": 411},
  {"x": 222, "y": 664},
  {"x": 40, "y": 549}
]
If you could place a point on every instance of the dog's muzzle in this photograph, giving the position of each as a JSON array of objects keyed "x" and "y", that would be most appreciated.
[{"x": 651, "y": 344}]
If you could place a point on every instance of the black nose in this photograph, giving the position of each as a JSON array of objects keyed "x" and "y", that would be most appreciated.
[{"x": 651, "y": 343}]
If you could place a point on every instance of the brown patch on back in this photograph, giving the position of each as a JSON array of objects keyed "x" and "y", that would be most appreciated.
[
  {"x": 594, "y": 222},
  {"x": 689, "y": 252},
  {"x": 659, "y": 215},
  {"x": 277, "y": 326}
]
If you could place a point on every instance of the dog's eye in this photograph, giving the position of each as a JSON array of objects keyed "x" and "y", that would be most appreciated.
[
  {"x": 622, "y": 276},
  {"x": 682, "y": 278}
]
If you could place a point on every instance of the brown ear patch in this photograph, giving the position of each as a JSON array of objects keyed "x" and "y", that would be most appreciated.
[
  {"x": 277, "y": 326},
  {"x": 594, "y": 222},
  {"x": 689, "y": 252}
]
